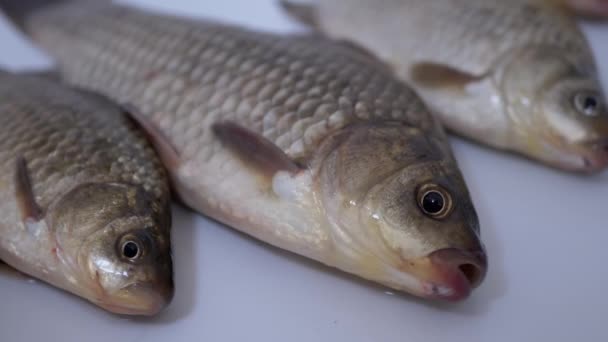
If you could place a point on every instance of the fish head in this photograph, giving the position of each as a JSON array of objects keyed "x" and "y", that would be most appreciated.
[
  {"x": 403, "y": 212},
  {"x": 560, "y": 110},
  {"x": 576, "y": 116},
  {"x": 113, "y": 239}
]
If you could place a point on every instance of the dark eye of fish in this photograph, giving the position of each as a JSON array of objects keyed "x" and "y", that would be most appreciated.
[
  {"x": 587, "y": 103},
  {"x": 131, "y": 250},
  {"x": 434, "y": 201}
]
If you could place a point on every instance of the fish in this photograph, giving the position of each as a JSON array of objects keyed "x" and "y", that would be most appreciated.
[
  {"x": 309, "y": 145},
  {"x": 84, "y": 199},
  {"x": 590, "y": 9},
  {"x": 517, "y": 75}
]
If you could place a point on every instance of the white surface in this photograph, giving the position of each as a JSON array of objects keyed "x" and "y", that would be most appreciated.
[{"x": 546, "y": 233}]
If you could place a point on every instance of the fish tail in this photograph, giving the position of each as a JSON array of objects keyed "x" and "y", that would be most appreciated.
[{"x": 18, "y": 11}]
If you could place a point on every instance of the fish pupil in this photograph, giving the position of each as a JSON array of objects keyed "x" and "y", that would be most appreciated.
[
  {"x": 433, "y": 202},
  {"x": 590, "y": 104},
  {"x": 130, "y": 250}
]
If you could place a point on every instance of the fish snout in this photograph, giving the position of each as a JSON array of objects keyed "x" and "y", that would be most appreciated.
[
  {"x": 456, "y": 272},
  {"x": 142, "y": 299},
  {"x": 597, "y": 157}
]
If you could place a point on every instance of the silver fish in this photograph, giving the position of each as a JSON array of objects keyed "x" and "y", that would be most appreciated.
[
  {"x": 84, "y": 200},
  {"x": 306, "y": 144},
  {"x": 517, "y": 75}
]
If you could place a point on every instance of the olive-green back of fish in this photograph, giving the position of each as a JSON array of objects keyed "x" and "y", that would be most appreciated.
[
  {"x": 305, "y": 143},
  {"x": 77, "y": 176}
]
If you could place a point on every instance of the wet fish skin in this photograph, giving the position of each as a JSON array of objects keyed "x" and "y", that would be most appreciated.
[
  {"x": 303, "y": 143},
  {"x": 516, "y": 75},
  {"x": 78, "y": 183}
]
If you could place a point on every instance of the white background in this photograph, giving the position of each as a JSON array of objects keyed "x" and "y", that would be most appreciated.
[{"x": 546, "y": 233}]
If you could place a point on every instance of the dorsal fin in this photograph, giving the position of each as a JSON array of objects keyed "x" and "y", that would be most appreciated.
[
  {"x": 306, "y": 14},
  {"x": 19, "y": 10}
]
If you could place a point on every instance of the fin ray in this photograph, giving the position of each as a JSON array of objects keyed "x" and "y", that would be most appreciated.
[
  {"x": 306, "y": 14},
  {"x": 435, "y": 75},
  {"x": 19, "y": 10},
  {"x": 254, "y": 149},
  {"x": 30, "y": 210}
]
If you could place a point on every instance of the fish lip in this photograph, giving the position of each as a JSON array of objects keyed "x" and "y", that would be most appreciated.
[
  {"x": 596, "y": 158},
  {"x": 586, "y": 157},
  {"x": 448, "y": 281},
  {"x": 148, "y": 300}
]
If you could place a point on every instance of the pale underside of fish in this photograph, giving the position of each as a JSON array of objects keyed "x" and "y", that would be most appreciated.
[
  {"x": 78, "y": 181},
  {"x": 516, "y": 75},
  {"x": 301, "y": 142}
]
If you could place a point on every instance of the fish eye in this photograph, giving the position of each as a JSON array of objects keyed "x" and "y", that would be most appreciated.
[
  {"x": 588, "y": 103},
  {"x": 434, "y": 201},
  {"x": 131, "y": 248}
]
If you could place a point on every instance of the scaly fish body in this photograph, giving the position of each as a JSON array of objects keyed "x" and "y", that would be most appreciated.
[
  {"x": 298, "y": 141},
  {"x": 516, "y": 75},
  {"x": 79, "y": 188}
]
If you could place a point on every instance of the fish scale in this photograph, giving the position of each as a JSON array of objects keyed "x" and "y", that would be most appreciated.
[
  {"x": 305, "y": 143},
  {"x": 86, "y": 146},
  {"x": 92, "y": 177},
  {"x": 101, "y": 54},
  {"x": 515, "y": 75}
]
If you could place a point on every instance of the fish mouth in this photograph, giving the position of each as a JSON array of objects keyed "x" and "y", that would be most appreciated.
[
  {"x": 138, "y": 299},
  {"x": 451, "y": 274},
  {"x": 597, "y": 158},
  {"x": 586, "y": 157}
]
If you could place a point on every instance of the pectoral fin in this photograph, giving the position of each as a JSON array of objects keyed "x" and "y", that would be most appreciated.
[
  {"x": 438, "y": 76},
  {"x": 30, "y": 210},
  {"x": 168, "y": 154},
  {"x": 254, "y": 150},
  {"x": 306, "y": 14}
]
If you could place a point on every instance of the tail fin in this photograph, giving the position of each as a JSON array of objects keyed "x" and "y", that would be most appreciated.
[
  {"x": 305, "y": 13},
  {"x": 19, "y": 10}
]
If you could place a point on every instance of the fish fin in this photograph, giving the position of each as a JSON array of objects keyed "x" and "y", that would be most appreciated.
[
  {"x": 47, "y": 74},
  {"x": 167, "y": 152},
  {"x": 19, "y": 10},
  {"x": 30, "y": 210},
  {"x": 12, "y": 272},
  {"x": 254, "y": 149},
  {"x": 434, "y": 75},
  {"x": 588, "y": 9},
  {"x": 306, "y": 14}
]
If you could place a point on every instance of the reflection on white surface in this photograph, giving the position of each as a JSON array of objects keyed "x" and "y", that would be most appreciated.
[{"x": 546, "y": 234}]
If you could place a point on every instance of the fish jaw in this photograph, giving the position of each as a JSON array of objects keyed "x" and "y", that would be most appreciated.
[
  {"x": 138, "y": 300},
  {"x": 590, "y": 157},
  {"x": 597, "y": 160},
  {"x": 448, "y": 274}
]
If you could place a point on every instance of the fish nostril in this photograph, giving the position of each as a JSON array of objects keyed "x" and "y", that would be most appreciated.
[{"x": 471, "y": 272}]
